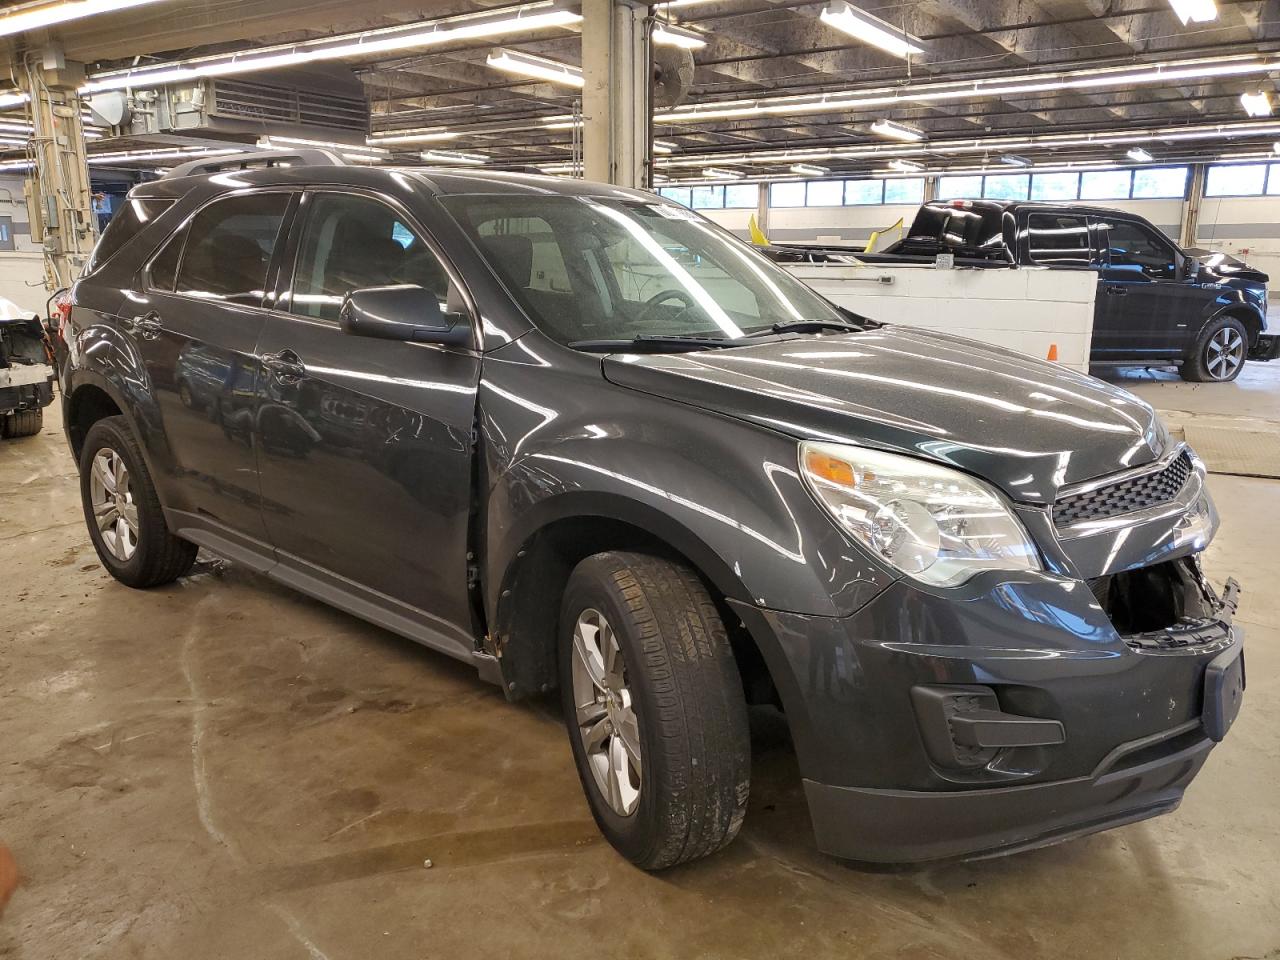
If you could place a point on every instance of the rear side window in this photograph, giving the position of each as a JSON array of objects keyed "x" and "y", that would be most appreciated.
[
  {"x": 128, "y": 222},
  {"x": 228, "y": 249},
  {"x": 164, "y": 268},
  {"x": 1059, "y": 240}
]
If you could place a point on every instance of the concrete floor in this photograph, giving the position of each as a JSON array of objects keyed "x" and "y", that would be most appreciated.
[{"x": 223, "y": 769}]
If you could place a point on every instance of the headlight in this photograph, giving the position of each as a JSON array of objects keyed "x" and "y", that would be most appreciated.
[{"x": 934, "y": 524}]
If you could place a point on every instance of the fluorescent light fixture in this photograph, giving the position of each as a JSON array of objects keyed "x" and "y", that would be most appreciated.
[
  {"x": 1139, "y": 155},
  {"x": 133, "y": 156},
  {"x": 719, "y": 173},
  {"x": 845, "y": 101},
  {"x": 896, "y": 131},
  {"x": 668, "y": 34},
  {"x": 1256, "y": 104},
  {"x": 54, "y": 13},
  {"x": 451, "y": 156},
  {"x": 809, "y": 170},
  {"x": 905, "y": 166},
  {"x": 664, "y": 146},
  {"x": 540, "y": 68},
  {"x": 869, "y": 29},
  {"x": 1195, "y": 11},
  {"x": 543, "y": 14},
  {"x": 422, "y": 135},
  {"x": 272, "y": 142},
  {"x": 1012, "y": 160}
]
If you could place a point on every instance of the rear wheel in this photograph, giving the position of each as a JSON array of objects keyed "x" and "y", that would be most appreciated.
[
  {"x": 23, "y": 423},
  {"x": 1219, "y": 353},
  {"x": 654, "y": 706},
  {"x": 123, "y": 512}
]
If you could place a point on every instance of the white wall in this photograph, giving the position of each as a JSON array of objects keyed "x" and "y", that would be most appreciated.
[
  {"x": 1247, "y": 227},
  {"x": 1030, "y": 310},
  {"x": 21, "y": 270}
]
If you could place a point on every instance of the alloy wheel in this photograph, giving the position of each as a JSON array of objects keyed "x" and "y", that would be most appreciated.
[
  {"x": 1224, "y": 353},
  {"x": 606, "y": 716},
  {"x": 112, "y": 500}
]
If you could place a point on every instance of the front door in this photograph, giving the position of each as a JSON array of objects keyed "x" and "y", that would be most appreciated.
[
  {"x": 1145, "y": 309},
  {"x": 366, "y": 445},
  {"x": 196, "y": 322}
]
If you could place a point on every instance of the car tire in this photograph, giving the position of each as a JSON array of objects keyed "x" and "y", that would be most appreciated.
[
  {"x": 22, "y": 423},
  {"x": 672, "y": 694},
  {"x": 1219, "y": 353},
  {"x": 122, "y": 510}
]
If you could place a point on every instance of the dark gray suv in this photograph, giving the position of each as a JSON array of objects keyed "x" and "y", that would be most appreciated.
[{"x": 585, "y": 439}]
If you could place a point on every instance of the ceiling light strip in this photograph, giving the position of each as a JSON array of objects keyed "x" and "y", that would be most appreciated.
[{"x": 544, "y": 14}]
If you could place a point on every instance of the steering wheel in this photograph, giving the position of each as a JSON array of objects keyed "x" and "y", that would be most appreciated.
[{"x": 651, "y": 305}]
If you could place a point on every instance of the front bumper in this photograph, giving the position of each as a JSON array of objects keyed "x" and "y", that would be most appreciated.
[{"x": 1138, "y": 723}]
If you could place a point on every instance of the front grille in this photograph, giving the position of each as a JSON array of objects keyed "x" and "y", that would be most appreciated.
[{"x": 1126, "y": 496}]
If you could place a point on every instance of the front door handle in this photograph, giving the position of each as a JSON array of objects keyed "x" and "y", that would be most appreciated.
[
  {"x": 147, "y": 326},
  {"x": 286, "y": 365},
  {"x": 1117, "y": 292}
]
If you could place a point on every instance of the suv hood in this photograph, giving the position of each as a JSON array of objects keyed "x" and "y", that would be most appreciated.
[{"x": 1026, "y": 425}]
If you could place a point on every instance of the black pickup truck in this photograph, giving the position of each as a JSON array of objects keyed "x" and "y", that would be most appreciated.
[{"x": 1205, "y": 311}]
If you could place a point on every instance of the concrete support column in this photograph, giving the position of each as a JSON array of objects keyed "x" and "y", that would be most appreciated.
[
  {"x": 1191, "y": 207},
  {"x": 58, "y": 193},
  {"x": 615, "y": 95}
]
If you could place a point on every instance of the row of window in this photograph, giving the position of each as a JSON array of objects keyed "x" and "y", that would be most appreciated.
[
  {"x": 1242, "y": 180},
  {"x": 1147, "y": 183}
]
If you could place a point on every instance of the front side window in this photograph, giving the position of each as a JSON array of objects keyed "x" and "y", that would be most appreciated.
[
  {"x": 228, "y": 248},
  {"x": 1133, "y": 247},
  {"x": 351, "y": 242},
  {"x": 1060, "y": 240},
  {"x": 629, "y": 268}
]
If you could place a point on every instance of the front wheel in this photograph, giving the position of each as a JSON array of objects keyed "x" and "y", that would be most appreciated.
[
  {"x": 655, "y": 709},
  {"x": 1219, "y": 352}
]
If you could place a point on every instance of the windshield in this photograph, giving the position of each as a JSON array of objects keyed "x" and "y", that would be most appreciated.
[{"x": 587, "y": 268}]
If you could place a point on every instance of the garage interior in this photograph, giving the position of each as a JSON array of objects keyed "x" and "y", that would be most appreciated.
[{"x": 224, "y": 768}]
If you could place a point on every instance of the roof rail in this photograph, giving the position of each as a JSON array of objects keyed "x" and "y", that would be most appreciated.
[{"x": 304, "y": 157}]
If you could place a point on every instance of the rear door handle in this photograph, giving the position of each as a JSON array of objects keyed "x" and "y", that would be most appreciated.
[
  {"x": 147, "y": 326},
  {"x": 286, "y": 365}
]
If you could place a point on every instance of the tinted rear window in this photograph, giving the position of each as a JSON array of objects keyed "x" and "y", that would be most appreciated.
[{"x": 128, "y": 222}]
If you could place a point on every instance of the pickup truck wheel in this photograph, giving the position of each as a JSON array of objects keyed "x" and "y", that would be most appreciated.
[
  {"x": 1219, "y": 353},
  {"x": 126, "y": 523},
  {"x": 22, "y": 423},
  {"x": 654, "y": 706}
]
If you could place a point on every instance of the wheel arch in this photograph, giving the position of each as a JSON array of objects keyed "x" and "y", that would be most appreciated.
[
  {"x": 87, "y": 403},
  {"x": 525, "y": 610}
]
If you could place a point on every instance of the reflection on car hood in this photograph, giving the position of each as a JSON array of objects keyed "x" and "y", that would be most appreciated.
[
  {"x": 1225, "y": 266},
  {"x": 1026, "y": 425}
]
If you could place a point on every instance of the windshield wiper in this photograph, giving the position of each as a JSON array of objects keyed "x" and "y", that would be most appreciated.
[
  {"x": 655, "y": 343},
  {"x": 811, "y": 326}
]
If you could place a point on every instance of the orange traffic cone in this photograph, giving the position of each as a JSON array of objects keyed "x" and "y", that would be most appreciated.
[{"x": 1053, "y": 352}]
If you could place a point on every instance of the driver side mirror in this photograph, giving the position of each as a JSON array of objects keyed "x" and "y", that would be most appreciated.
[
  {"x": 403, "y": 312},
  {"x": 1190, "y": 269}
]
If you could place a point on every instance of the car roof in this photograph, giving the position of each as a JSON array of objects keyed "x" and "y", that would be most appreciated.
[{"x": 436, "y": 180}]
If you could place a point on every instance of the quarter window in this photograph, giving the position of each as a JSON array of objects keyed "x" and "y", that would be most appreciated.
[
  {"x": 130, "y": 219},
  {"x": 164, "y": 268},
  {"x": 352, "y": 242},
  {"x": 229, "y": 246},
  {"x": 1059, "y": 240}
]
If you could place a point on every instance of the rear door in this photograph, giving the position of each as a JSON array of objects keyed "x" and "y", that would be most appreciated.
[
  {"x": 196, "y": 326},
  {"x": 1144, "y": 310},
  {"x": 366, "y": 445}
]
